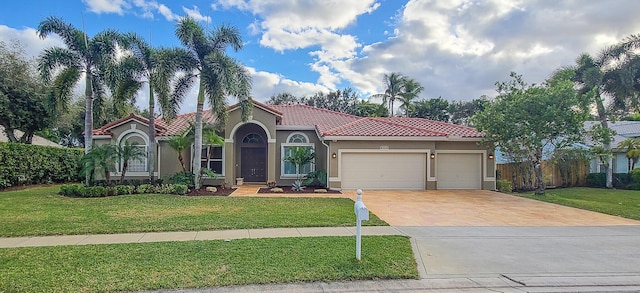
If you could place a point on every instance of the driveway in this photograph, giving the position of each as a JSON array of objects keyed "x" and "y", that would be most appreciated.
[{"x": 475, "y": 208}]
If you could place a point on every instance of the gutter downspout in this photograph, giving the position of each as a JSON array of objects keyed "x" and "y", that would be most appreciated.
[{"x": 328, "y": 156}]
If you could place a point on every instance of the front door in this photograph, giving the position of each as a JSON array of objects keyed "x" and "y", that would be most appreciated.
[{"x": 253, "y": 167}]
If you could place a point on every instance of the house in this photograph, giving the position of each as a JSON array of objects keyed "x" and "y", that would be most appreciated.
[
  {"x": 624, "y": 130},
  {"x": 356, "y": 152},
  {"x": 37, "y": 140}
]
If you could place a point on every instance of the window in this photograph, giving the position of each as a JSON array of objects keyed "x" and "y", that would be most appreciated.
[
  {"x": 252, "y": 138},
  {"x": 213, "y": 158},
  {"x": 139, "y": 165},
  {"x": 295, "y": 140}
]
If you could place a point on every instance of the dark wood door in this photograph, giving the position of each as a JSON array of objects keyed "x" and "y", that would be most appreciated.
[{"x": 254, "y": 162}]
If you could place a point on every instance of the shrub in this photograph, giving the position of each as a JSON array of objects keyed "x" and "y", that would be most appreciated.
[
  {"x": 123, "y": 189},
  {"x": 504, "y": 186},
  {"x": 185, "y": 178},
  {"x": 146, "y": 188},
  {"x": 33, "y": 164},
  {"x": 600, "y": 179},
  {"x": 635, "y": 175},
  {"x": 634, "y": 186},
  {"x": 179, "y": 189},
  {"x": 596, "y": 180},
  {"x": 93, "y": 191},
  {"x": 70, "y": 190}
]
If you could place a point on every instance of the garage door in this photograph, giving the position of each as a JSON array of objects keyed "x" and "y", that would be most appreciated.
[
  {"x": 459, "y": 171},
  {"x": 383, "y": 171}
]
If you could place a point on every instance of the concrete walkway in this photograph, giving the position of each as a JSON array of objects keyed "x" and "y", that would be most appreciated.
[{"x": 12, "y": 242}]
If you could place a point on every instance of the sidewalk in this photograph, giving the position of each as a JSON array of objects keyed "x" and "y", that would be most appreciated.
[{"x": 12, "y": 242}]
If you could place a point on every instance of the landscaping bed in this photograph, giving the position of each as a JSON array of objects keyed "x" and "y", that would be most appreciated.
[
  {"x": 289, "y": 189},
  {"x": 220, "y": 191}
]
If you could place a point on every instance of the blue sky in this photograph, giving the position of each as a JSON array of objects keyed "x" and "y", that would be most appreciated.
[{"x": 456, "y": 49}]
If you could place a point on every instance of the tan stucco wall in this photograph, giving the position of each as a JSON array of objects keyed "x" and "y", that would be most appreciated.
[
  {"x": 320, "y": 151},
  {"x": 428, "y": 147}
]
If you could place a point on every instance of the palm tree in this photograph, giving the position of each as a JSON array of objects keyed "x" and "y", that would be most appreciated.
[
  {"x": 411, "y": 91},
  {"x": 394, "y": 87},
  {"x": 299, "y": 157},
  {"x": 220, "y": 76},
  {"x": 157, "y": 67},
  {"x": 127, "y": 152},
  {"x": 589, "y": 78},
  {"x": 632, "y": 145},
  {"x": 180, "y": 143},
  {"x": 82, "y": 54},
  {"x": 100, "y": 159}
]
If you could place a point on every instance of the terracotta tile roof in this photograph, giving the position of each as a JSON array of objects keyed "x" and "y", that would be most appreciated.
[
  {"x": 322, "y": 119},
  {"x": 328, "y": 123},
  {"x": 104, "y": 130},
  {"x": 380, "y": 127}
]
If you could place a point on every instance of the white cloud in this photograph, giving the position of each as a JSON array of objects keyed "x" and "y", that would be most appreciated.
[
  {"x": 107, "y": 6},
  {"x": 294, "y": 25},
  {"x": 195, "y": 14},
  {"x": 267, "y": 84},
  {"x": 27, "y": 36}
]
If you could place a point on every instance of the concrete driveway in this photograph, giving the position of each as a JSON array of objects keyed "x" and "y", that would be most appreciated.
[{"x": 475, "y": 208}]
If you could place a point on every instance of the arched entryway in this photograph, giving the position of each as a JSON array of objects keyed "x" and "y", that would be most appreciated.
[{"x": 251, "y": 147}]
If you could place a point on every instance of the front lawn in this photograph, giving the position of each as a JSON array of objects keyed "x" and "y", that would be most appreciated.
[
  {"x": 194, "y": 264},
  {"x": 617, "y": 202},
  {"x": 40, "y": 211}
]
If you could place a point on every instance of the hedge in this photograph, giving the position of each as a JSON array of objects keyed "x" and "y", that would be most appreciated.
[
  {"x": 32, "y": 164},
  {"x": 620, "y": 180}
]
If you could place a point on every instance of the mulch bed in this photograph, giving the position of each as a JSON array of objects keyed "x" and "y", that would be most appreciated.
[
  {"x": 203, "y": 192},
  {"x": 289, "y": 189}
]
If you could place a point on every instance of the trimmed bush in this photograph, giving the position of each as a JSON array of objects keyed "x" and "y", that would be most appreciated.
[
  {"x": 70, "y": 189},
  {"x": 185, "y": 178},
  {"x": 180, "y": 189},
  {"x": 123, "y": 189},
  {"x": 600, "y": 179},
  {"x": 635, "y": 175},
  {"x": 504, "y": 186},
  {"x": 33, "y": 164},
  {"x": 634, "y": 186},
  {"x": 146, "y": 188}
]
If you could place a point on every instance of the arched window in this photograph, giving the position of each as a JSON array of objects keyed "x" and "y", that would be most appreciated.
[
  {"x": 289, "y": 170},
  {"x": 252, "y": 138},
  {"x": 136, "y": 140}
]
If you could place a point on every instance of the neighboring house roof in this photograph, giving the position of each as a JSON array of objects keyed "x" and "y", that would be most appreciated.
[
  {"x": 37, "y": 140},
  {"x": 327, "y": 123},
  {"x": 623, "y": 129},
  {"x": 105, "y": 130}
]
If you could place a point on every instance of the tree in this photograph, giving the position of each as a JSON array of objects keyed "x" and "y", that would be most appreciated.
[
  {"x": 632, "y": 146},
  {"x": 394, "y": 87},
  {"x": 435, "y": 109},
  {"x": 82, "y": 55},
  {"x": 343, "y": 101},
  {"x": 128, "y": 152},
  {"x": 157, "y": 68},
  {"x": 528, "y": 118},
  {"x": 180, "y": 143},
  {"x": 24, "y": 99},
  {"x": 211, "y": 138},
  {"x": 461, "y": 112},
  {"x": 299, "y": 157},
  {"x": 101, "y": 159},
  {"x": 411, "y": 91},
  {"x": 369, "y": 109},
  {"x": 283, "y": 99},
  {"x": 220, "y": 75}
]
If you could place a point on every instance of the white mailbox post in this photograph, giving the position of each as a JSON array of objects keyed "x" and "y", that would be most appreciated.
[{"x": 362, "y": 214}]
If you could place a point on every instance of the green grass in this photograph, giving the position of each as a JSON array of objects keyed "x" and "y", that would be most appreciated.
[
  {"x": 40, "y": 211},
  {"x": 623, "y": 203},
  {"x": 195, "y": 264}
]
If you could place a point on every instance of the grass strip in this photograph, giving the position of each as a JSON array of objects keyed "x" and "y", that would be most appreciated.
[
  {"x": 40, "y": 211},
  {"x": 197, "y": 264},
  {"x": 617, "y": 202}
]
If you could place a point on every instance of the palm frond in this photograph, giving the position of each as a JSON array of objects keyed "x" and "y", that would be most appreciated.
[
  {"x": 52, "y": 58},
  {"x": 71, "y": 36}
]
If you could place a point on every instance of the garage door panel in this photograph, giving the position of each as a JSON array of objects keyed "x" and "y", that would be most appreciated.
[
  {"x": 459, "y": 171},
  {"x": 383, "y": 171}
]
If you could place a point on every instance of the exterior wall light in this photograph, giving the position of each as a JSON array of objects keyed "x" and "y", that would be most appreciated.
[
  {"x": 433, "y": 156},
  {"x": 490, "y": 156},
  {"x": 334, "y": 155}
]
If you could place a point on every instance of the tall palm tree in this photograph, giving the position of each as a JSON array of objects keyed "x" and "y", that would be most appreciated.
[
  {"x": 589, "y": 78},
  {"x": 394, "y": 86},
  {"x": 411, "y": 91},
  {"x": 82, "y": 54},
  {"x": 157, "y": 68},
  {"x": 220, "y": 75}
]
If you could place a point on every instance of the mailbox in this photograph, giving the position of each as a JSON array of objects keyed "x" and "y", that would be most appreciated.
[{"x": 362, "y": 214}]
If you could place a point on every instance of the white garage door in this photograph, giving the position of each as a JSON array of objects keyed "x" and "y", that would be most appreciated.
[
  {"x": 459, "y": 171},
  {"x": 383, "y": 171}
]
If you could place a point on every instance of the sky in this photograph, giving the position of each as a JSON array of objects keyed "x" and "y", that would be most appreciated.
[{"x": 456, "y": 49}]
